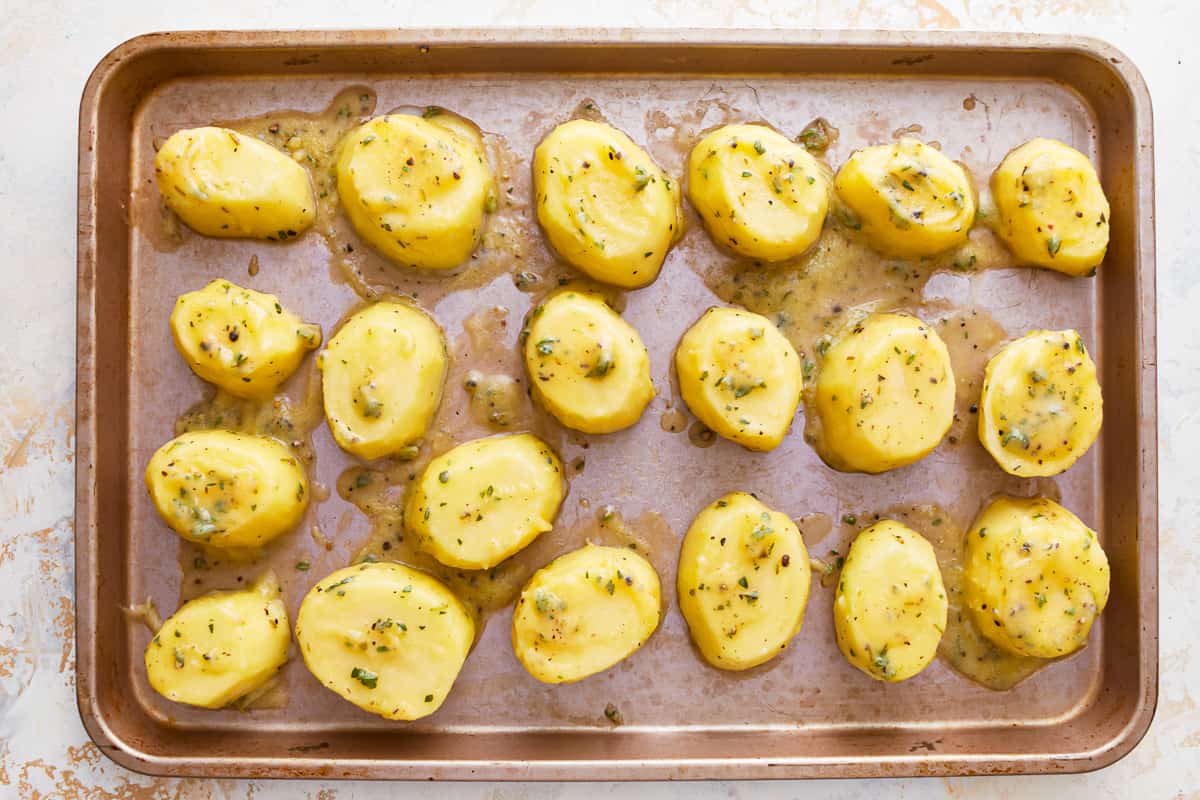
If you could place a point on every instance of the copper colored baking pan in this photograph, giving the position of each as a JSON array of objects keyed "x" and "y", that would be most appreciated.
[{"x": 809, "y": 714}]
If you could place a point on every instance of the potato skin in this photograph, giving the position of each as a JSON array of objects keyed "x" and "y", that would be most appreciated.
[
  {"x": 587, "y": 366},
  {"x": 740, "y": 377},
  {"x": 387, "y": 638},
  {"x": 483, "y": 501},
  {"x": 1040, "y": 407},
  {"x": 890, "y": 609},
  {"x": 604, "y": 205},
  {"x": 585, "y": 612},
  {"x": 241, "y": 340},
  {"x": 383, "y": 374},
  {"x": 226, "y": 184},
  {"x": 1036, "y": 577},
  {"x": 743, "y": 582},
  {"x": 874, "y": 425},
  {"x": 1051, "y": 208},
  {"x": 759, "y": 193},
  {"x": 220, "y": 646},
  {"x": 227, "y": 490}
]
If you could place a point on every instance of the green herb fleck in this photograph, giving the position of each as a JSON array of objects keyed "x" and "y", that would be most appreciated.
[{"x": 365, "y": 677}]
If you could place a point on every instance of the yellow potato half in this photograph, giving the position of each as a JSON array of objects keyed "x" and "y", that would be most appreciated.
[
  {"x": 224, "y": 183},
  {"x": 889, "y": 612},
  {"x": 386, "y": 637},
  {"x": 743, "y": 582},
  {"x": 416, "y": 189},
  {"x": 227, "y": 490},
  {"x": 1040, "y": 407},
  {"x": 585, "y": 612},
  {"x": 759, "y": 193},
  {"x": 1036, "y": 577},
  {"x": 220, "y": 646},
  {"x": 587, "y": 366},
  {"x": 604, "y": 204},
  {"x": 239, "y": 339},
  {"x": 740, "y": 377},
  {"x": 907, "y": 198},
  {"x": 479, "y": 503},
  {"x": 1051, "y": 208},
  {"x": 884, "y": 395},
  {"x": 382, "y": 379}
]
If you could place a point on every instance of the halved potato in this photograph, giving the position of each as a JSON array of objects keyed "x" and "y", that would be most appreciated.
[
  {"x": 221, "y": 646},
  {"x": 231, "y": 491},
  {"x": 482, "y": 501},
  {"x": 889, "y": 612},
  {"x": 743, "y": 582},
  {"x": 386, "y": 637},
  {"x": 604, "y": 204},
  {"x": 586, "y": 365},
  {"x": 241, "y": 340},
  {"x": 382, "y": 379},
  {"x": 1040, "y": 408},
  {"x": 740, "y": 377},
  {"x": 884, "y": 394},
  {"x": 1036, "y": 577},
  {"x": 585, "y": 612},
  {"x": 759, "y": 193},
  {"x": 417, "y": 188},
  {"x": 1051, "y": 208},
  {"x": 224, "y": 183},
  {"x": 907, "y": 198}
]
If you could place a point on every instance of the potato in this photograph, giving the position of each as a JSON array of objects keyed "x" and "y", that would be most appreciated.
[
  {"x": 1051, "y": 208},
  {"x": 382, "y": 378},
  {"x": 482, "y": 501},
  {"x": 604, "y": 204},
  {"x": 224, "y": 183},
  {"x": 417, "y": 189},
  {"x": 231, "y": 491},
  {"x": 1040, "y": 408},
  {"x": 1036, "y": 577},
  {"x": 740, "y": 376},
  {"x": 585, "y": 612},
  {"x": 221, "y": 646},
  {"x": 386, "y": 637},
  {"x": 587, "y": 366},
  {"x": 241, "y": 340},
  {"x": 889, "y": 612},
  {"x": 743, "y": 582},
  {"x": 907, "y": 198},
  {"x": 884, "y": 395},
  {"x": 759, "y": 193}
]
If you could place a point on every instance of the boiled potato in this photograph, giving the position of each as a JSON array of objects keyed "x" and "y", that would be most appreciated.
[
  {"x": 889, "y": 612},
  {"x": 907, "y": 198},
  {"x": 386, "y": 637},
  {"x": 227, "y": 490},
  {"x": 587, "y": 366},
  {"x": 482, "y": 501},
  {"x": 759, "y": 193},
  {"x": 224, "y": 183},
  {"x": 221, "y": 646},
  {"x": 604, "y": 204},
  {"x": 241, "y": 340},
  {"x": 1040, "y": 408},
  {"x": 740, "y": 376},
  {"x": 585, "y": 612},
  {"x": 743, "y": 582},
  {"x": 884, "y": 395},
  {"x": 1036, "y": 577},
  {"x": 382, "y": 379},
  {"x": 1051, "y": 208},
  {"x": 417, "y": 189}
]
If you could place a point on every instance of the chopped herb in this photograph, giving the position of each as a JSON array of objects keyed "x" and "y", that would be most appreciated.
[
  {"x": 604, "y": 363},
  {"x": 1015, "y": 436},
  {"x": 1053, "y": 244},
  {"x": 303, "y": 566},
  {"x": 641, "y": 178},
  {"x": 431, "y": 111},
  {"x": 178, "y": 658},
  {"x": 1041, "y": 599},
  {"x": 613, "y": 714},
  {"x": 742, "y": 582},
  {"x": 758, "y": 147},
  {"x": 546, "y": 346},
  {"x": 746, "y": 174},
  {"x": 365, "y": 677},
  {"x": 428, "y": 698},
  {"x": 849, "y": 519},
  {"x": 444, "y": 476}
]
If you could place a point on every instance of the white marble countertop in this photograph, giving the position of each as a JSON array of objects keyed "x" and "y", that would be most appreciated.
[{"x": 47, "y": 49}]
